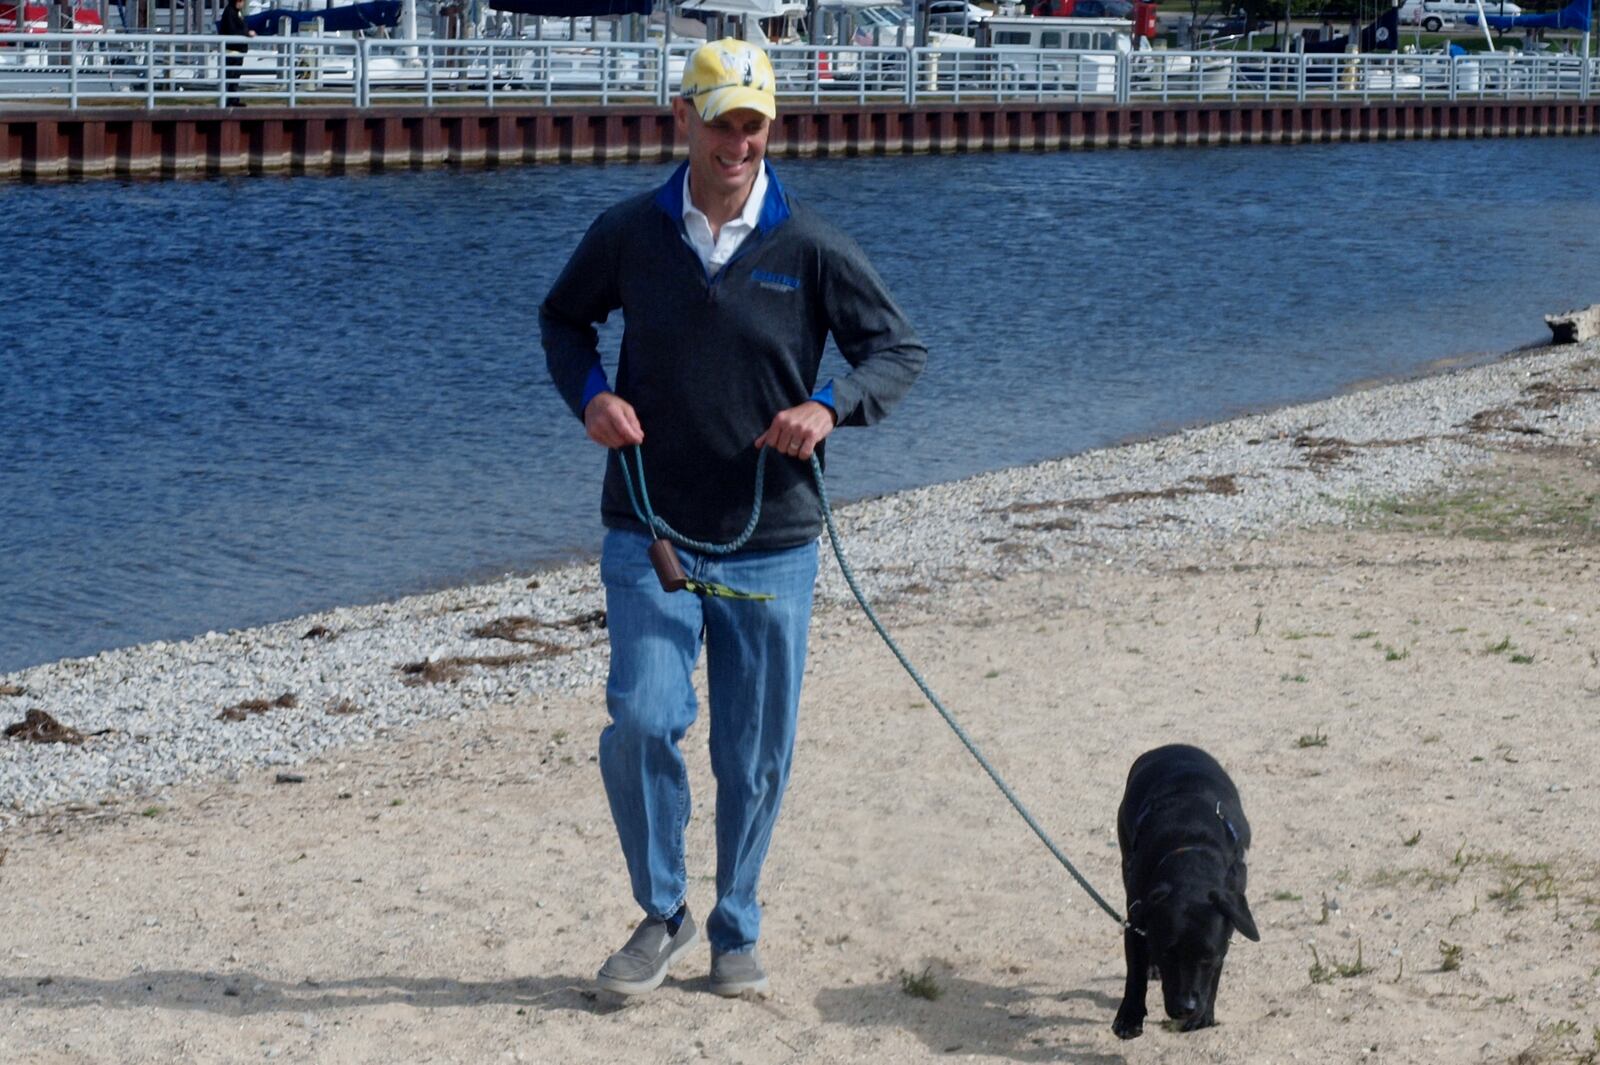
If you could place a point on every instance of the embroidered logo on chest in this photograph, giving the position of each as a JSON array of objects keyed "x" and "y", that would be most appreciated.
[{"x": 775, "y": 282}]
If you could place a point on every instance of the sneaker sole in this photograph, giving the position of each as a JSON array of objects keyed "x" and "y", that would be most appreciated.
[
  {"x": 639, "y": 987},
  {"x": 734, "y": 990}
]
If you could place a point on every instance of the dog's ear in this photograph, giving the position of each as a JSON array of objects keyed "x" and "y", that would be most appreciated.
[{"x": 1237, "y": 911}]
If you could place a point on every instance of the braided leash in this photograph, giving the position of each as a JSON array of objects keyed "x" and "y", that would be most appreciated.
[{"x": 660, "y": 527}]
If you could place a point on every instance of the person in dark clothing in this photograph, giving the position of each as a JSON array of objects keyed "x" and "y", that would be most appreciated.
[
  {"x": 729, "y": 290},
  {"x": 232, "y": 25}
]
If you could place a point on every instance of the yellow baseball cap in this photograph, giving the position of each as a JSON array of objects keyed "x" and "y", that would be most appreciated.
[{"x": 729, "y": 74}]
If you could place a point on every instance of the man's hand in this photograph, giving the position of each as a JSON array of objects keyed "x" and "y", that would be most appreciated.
[
  {"x": 611, "y": 421},
  {"x": 797, "y": 431}
]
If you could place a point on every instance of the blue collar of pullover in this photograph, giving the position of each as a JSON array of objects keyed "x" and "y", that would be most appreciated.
[{"x": 774, "y": 211}]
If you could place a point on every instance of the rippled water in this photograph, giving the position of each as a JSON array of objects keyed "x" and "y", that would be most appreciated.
[{"x": 229, "y": 402}]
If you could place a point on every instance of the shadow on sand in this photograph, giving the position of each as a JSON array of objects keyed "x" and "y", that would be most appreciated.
[
  {"x": 241, "y": 993},
  {"x": 1019, "y": 1022}
]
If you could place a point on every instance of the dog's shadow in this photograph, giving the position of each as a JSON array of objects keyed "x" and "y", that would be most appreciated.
[
  {"x": 966, "y": 1016},
  {"x": 242, "y": 993}
]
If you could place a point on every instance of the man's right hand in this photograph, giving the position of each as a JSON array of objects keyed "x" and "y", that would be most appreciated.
[{"x": 611, "y": 421}]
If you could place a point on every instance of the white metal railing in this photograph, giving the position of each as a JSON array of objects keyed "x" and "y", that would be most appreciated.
[
  {"x": 156, "y": 69},
  {"x": 152, "y": 70}
]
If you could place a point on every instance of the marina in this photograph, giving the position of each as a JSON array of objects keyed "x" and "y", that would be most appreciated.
[{"x": 363, "y": 87}]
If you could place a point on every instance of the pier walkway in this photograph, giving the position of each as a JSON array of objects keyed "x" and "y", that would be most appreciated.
[{"x": 75, "y": 106}]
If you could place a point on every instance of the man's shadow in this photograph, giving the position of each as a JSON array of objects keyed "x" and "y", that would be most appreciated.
[
  {"x": 1015, "y": 1021},
  {"x": 243, "y": 993}
]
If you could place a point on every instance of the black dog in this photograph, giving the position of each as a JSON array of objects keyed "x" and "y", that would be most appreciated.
[{"x": 1183, "y": 837}]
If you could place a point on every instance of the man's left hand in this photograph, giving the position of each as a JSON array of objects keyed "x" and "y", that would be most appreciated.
[{"x": 797, "y": 431}]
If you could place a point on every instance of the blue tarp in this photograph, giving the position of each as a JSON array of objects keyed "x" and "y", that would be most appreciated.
[
  {"x": 363, "y": 16},
  {"x": 573, "y": 8},
  {"x": 1575, "y": 16}
]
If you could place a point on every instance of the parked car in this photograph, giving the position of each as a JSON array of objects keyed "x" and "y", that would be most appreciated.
[{"x": 955, "y": 16}]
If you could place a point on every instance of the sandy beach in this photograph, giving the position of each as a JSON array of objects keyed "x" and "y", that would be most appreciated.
[{"x": 1379, "y": 612}]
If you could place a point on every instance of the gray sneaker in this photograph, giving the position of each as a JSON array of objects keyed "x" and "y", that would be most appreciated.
[
  {"x": 734, "y": 974},
  {"x": 643, "y": 961}
]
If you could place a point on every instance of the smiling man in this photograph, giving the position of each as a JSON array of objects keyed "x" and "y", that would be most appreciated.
[{"x": 729, "y": 290}]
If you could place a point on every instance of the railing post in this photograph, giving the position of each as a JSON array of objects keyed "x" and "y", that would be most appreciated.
[
  {"x": 1455, "y": 71},
  {"x": 662, "y": 99},
  {"x": 72, "y": 65},
  {"x": 913, "y": 74},
  {"x": 363, "y": 80},
  {"x": 1124, "y": 78},
  {"x": 1300, "y": 82}
]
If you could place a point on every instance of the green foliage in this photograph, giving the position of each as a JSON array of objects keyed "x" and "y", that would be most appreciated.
[
  {"x": 922, "y": 985},
  {"x": 1326, "y": 974}
]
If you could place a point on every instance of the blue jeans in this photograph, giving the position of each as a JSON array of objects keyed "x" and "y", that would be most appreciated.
[{"x": 755, "y": 655}]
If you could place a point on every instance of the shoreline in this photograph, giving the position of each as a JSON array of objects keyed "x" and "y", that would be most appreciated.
[
  {"x": 1404, "y": 692},
  {"x": 1159, "y": 498}
]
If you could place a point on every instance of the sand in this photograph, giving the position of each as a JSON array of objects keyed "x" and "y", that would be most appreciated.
[{"x": 1407, "y": 704}]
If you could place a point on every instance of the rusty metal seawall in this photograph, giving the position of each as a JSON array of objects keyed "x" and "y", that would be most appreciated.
[{"x": 40, "y": 144}]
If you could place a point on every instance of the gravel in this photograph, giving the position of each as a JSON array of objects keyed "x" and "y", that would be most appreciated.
[{"x": 153, "y": 715}]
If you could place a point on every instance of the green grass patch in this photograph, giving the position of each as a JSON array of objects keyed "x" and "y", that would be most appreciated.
[
  {"x": 1315, "y": 739},
  {"x": 921, "y": 985},
  {"x": 1521, "y": 496},
  {"x": 1333, "y": 969}
]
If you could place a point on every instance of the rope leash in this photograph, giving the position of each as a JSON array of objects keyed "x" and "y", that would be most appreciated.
[{"x": 656, "y": 524}]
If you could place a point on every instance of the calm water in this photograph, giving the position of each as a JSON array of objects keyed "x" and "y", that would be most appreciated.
[{"x": 231, "y": 402}]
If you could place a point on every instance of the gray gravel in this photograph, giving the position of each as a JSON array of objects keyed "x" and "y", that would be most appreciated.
[{"x": 1131, "y": 505}]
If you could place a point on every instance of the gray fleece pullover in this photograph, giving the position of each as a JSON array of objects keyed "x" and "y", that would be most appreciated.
[{"x": 707, "y": 361}]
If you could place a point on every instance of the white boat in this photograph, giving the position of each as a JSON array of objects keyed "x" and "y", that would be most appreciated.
[{"x": 1042, "y": 53}]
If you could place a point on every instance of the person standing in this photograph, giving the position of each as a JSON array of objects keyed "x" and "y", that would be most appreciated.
[
  {"x": 232, "y": 24},
  {"x": 729, "y": 288}
]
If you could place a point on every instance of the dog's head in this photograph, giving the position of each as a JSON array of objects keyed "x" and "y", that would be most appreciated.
[{"x": 1187, "y": 923}]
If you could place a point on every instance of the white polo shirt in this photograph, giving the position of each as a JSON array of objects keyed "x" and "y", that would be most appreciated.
[{"x": 716, "y": 253}]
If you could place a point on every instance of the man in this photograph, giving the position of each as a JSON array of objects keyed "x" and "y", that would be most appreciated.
[
  {"x": 728, "y": 290},
  {"x": 232, "y": 24}
]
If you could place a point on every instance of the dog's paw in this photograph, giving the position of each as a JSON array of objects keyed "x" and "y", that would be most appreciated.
[
  {"x": 1199, "y": 1021},
  {"x": 1128, "y": 1026}
]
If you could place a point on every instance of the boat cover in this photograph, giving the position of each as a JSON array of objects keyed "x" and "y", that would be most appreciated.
[
  {"x": 363, "y": 16},
  {"x": 1575, "y": 16}
]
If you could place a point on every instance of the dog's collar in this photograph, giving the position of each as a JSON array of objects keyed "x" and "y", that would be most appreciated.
[
  {"x": 1175, "y": 852},
  {"x": 1233, "y": 833}
]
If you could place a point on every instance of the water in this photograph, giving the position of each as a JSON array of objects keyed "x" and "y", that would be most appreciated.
[{"x": 230, "y": 402}]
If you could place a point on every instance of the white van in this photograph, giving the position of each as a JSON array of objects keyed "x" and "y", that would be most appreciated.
[{"x": 1434, "y": 15}]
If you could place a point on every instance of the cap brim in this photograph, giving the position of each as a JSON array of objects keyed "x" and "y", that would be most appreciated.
[{"x": 721, "y": 101}]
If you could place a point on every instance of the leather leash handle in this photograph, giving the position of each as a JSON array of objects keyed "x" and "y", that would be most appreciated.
[{"x": 669, "y": 570}]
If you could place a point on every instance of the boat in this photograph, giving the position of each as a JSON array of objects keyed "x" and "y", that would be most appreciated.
[{"x": 36, "y": 19}]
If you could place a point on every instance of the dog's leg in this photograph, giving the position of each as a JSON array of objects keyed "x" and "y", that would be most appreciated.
[{"x": 1130, "y": 1015}]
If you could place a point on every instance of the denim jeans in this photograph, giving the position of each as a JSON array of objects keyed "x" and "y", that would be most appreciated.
[{"x": 755, "y": 655}]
